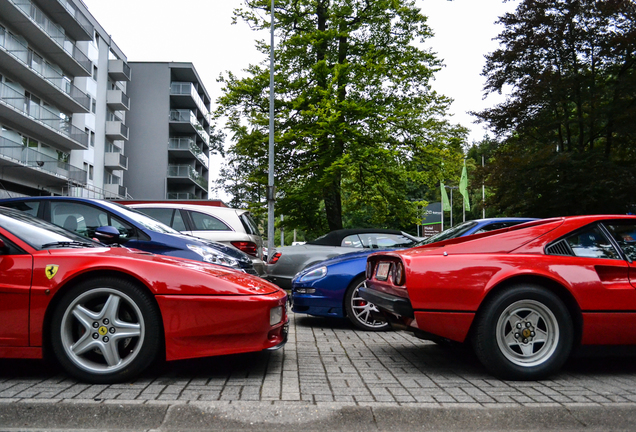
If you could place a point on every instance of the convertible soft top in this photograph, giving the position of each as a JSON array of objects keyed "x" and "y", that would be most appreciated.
[{"x": 334, "y": 238}]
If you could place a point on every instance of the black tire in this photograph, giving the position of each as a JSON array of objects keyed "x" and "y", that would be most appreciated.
[
  {"x": 523, "y": 333},
  {"x": 105, "y": 330},
  {"x": 358, "y": 311}
]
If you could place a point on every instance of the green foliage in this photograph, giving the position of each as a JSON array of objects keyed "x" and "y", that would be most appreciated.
[
  {"x": 566, "y": 131},
  {"x": 359, "y": 132}
]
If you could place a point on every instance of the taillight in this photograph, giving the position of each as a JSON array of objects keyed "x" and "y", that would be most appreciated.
[
  {"x": 249, "y": 248},
  {"x": 274, "y": 258},
  {"x": 398, "y": 273}
]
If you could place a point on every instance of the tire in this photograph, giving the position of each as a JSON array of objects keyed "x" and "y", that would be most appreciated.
[
  {"x": 105, "y": 330},
  {"x": 359, "y": 310},
  {"x": 523, "y": 333}
]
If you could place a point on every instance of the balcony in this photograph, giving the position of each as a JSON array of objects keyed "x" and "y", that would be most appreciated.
[
  {"x": 119, "y": 70},
  {"x": 185, "y": 95},
  {"x": 115, "y": 161},
  {"x": 117, "y": 100},
  {"x": 185, "y": 121},
  {"x": 40, "y": 166},
  {"x": 181, "y": 196},
  {"x": 114, "y": 191},
  {"x": 186, "y": 173},
  {"x": 187, "y": 147},
  {"x": 74, "y": 22},
  {"x": 48, "y": 36},
  {"x": 116, "y": 130},
  {"x": 41, "y": 122},
  {"x": 41, "y": 77}
]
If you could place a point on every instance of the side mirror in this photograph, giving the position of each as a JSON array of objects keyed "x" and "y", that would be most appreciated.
[{"x": 107, "y": 235}]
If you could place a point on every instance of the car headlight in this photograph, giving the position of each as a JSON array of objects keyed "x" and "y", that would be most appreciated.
[
  {"x": 214, "y": 256},
  {"x": 315, "y": 274},
  {"x": 275, "y": 315}
]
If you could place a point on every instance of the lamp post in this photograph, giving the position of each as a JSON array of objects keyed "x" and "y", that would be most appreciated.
[{"x": 270, "y": 180}]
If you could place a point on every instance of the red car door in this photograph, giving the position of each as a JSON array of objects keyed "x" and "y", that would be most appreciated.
[{"x": 15, "y": 284}]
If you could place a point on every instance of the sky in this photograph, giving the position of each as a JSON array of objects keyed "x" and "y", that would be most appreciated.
[{"x": 201, "y": 32}]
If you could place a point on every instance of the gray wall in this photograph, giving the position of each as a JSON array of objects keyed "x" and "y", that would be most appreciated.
[{"x": 148, "y": 120}]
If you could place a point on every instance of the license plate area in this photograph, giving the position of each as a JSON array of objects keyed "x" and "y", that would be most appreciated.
[{"x": 382, "y": 273}]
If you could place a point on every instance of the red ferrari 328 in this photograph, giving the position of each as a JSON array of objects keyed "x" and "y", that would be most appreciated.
[
  {"x": 106, "y": 313},
  {"x": 524, "y": 296}
]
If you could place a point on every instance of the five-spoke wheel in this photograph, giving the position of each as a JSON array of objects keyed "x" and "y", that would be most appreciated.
[
  {"x": 524, "y": 332},
  {"x": 105, "y": 330},
  {"x": 359, "y": 311}
]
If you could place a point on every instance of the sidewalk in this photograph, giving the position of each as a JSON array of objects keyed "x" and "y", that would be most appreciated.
[{"x": 330, "y": 374}]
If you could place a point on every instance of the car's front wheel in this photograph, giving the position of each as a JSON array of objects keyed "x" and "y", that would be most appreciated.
[
  {"x": 523, "y": 333},
  {"x": 105, "y": 330},
  {"x": 360, "y": 312}
]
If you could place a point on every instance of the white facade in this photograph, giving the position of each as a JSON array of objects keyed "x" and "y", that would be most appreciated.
[{"x": 63, "y": 102}]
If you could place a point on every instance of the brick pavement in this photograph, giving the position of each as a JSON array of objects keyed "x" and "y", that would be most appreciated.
[{"x": 326, "y": 362}]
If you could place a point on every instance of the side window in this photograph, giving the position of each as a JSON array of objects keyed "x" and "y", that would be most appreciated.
[
  {"x": 352, "y": 241},
  {"x": 85, "y": 219},
  {"x": 161, "y": 214},
  {"x": 592, "y": 243},
  {"x": 625, "y": 235},
  {"x": 492, "y": 227},
  {"x": 204, "y": 222},
  {"x": 30, "y": 207}
]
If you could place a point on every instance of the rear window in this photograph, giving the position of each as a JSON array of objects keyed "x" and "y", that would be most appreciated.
[
  {"x": 249, "y": 224},
  {"x": 205, "y": 222}
]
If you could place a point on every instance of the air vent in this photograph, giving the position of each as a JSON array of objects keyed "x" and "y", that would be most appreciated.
[{"x": 559, "y": 248}]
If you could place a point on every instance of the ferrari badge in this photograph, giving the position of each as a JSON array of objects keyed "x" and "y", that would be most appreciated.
[{"x": 51, "y": 270}]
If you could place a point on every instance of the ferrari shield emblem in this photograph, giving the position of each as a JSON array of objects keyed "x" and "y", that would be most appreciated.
[{"x": 51, "y": 270}]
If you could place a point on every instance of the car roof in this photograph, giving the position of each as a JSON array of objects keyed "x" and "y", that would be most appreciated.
[
  {"x": 334, "y": 238},
  {"x": 198, "y": 207}
]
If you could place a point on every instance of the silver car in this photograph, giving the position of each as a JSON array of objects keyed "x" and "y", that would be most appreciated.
[
  {"x": 285, "y": 262},
  {"x": 231, "y": 226}
]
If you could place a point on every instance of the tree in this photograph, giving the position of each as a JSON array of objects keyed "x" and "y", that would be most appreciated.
[
  {"x": 358, "y": 128},
  {"x": 566, "y": 131}
]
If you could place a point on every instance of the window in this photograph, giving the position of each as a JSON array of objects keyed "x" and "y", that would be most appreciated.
[
  {"x": 381, "y": 240},
  {"x": 30, "y": 207},
  {"x": 624, "y": 233},
  {"x": 93, "y": 105},
  {"x": 89, "y": 169},
  {"x": 95, "y": 72},
  {"x": 592, "y": 243},
  {"x": 204, "y": 222},
  {"x": 352, "y": 241},
  {"x": 85, "y": 219},
  {"x": 170, "y": 217}
]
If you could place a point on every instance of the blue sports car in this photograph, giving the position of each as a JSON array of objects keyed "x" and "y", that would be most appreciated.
[{"x": 330, "y": 288}]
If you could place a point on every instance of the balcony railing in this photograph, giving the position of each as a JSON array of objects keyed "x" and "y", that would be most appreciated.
[
  {"x": 188, "y": 144},
  {"x": 187, "y": 116},
  {"x": 79, "y": 17},
  {"x": 116, "y": 130},
  {"x": 186, "y": 171},
  {"x": 54, "y": 31},
  {"x": 119, "y": 70},
  {"x": 31, "y": 158},
  {"x": 42, "y": 115},
  {"x": 118, "y": 100},
  {"x": 181, "y": 195},
  {"x": 20, "y": 52},
  {"x": 186, "y": 88},
  {"x": 115, "y": 160}
]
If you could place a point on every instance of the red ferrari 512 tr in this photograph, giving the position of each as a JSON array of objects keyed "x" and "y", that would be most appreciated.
[
  {"x": 106, "y": 313},
  {"x": 524, "y": 296}
]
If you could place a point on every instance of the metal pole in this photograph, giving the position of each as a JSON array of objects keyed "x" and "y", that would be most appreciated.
[
  {"x": 483, "y": 192},
  {"x": 451, "y": 220},
  {"x": 282, "y": 231},
  {"x": 270, "y": 180}
]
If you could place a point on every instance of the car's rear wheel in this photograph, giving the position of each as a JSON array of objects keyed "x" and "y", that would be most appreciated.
[
  {"x": 359, "y": 311},
  {"x": 524, "y": 333},
  {"x": 105, "y": 330}
]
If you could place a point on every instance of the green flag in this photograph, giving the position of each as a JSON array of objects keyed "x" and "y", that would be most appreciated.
[
  {"x": 445, "y": 203},
  {"x": 463, "y": 187}
]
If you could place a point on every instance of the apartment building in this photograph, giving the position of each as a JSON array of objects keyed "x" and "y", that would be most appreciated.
[
  {"x": 169, "y": 141},
  {"x": 63, "y": 102}
]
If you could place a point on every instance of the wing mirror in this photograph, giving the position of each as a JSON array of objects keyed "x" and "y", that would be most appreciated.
[{"x": 107, "y": 235}]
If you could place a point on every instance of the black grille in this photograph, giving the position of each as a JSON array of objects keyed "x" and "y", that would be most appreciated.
[{"x": 559, "y": 248}]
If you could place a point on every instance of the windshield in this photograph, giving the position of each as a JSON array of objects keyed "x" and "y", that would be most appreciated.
[
  {"x": 143, "y": 219},
  {"x": 456, "y": 231},
  {"x": 37, "y": 233}
]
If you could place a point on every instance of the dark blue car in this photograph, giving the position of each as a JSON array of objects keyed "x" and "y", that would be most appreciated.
[
  {"x": 330, "y": 288},
  {"x": 136, "y": 230}
]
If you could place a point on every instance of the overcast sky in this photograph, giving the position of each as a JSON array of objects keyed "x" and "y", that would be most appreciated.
[{"x": 201, "y": 32}]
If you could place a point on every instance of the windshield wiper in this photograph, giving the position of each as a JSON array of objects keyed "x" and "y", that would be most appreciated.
[{"x": 63, "y": 244}]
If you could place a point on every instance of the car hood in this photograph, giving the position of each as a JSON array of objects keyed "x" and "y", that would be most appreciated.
[{"x": 163, "y": 274}]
